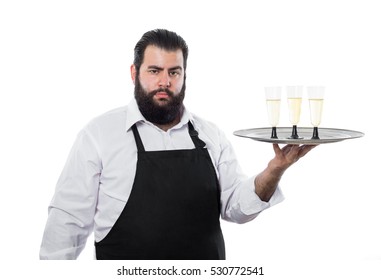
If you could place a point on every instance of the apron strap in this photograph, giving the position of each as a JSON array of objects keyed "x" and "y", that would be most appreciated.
[
  {"x": 199, "y": 144},
  {"x": 138, "y": 140}
]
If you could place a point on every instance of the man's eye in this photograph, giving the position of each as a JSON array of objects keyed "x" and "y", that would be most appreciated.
[
  {"x": 153, "y": 71},
  {"x": 174, "y": 73}
]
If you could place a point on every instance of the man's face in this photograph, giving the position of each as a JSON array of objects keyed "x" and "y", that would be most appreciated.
[{"x": 160, "y": 85}]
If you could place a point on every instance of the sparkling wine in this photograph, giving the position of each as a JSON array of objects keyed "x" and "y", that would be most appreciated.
[
  {"x": 294, "y": 106},
  {"x": 316, "y": 108},
  {"x": 273, "y": 111}
]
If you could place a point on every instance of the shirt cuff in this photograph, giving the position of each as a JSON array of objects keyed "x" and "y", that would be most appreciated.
[{"x": 252, "y": 204}]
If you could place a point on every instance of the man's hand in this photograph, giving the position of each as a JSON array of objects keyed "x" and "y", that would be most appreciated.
[
  {"x": 288, "y": 155},
  {"x": 267, "y": 181}
]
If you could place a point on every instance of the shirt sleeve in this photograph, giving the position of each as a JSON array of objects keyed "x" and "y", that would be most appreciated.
[
  {"x": 239, "y": 202},
  {"x": 71, "y": 211}
]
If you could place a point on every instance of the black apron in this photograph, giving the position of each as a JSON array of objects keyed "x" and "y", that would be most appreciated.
[{"x": 173, "y": 210}]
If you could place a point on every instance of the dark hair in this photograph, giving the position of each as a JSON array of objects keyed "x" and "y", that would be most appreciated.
[{"x": 161, "y": 38}]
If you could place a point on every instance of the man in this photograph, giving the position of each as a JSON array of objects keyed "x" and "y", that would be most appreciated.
[{"x": 151, "y": 179}]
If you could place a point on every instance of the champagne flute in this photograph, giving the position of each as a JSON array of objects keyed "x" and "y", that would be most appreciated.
[
  {"x": 294, "y": 97},
  {"x": 316, "y": 98},
  {"x": 273, "y": 97}
]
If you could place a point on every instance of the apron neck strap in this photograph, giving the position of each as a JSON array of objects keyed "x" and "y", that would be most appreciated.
[
  {"x": 194, "y": 136},
  {"x": 138, "y": 140},
  {"x": 199, "y": 144}
]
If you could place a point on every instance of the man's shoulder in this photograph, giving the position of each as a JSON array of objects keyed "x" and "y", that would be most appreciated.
[
  {"x": 108, "y": 119},
  {"x": 203, "y": 123},
  {"x": 113, "y": 113},
  {"x": 207, "y": 127}
]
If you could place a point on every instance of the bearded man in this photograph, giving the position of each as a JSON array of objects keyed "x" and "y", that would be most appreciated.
[{"x": 151, "y": 179}]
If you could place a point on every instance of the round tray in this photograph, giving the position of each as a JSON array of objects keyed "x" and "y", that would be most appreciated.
[{"x": 326, "y": 135}]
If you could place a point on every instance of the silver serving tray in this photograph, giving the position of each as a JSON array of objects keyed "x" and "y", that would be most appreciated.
[{"x": 326, "y": 135}]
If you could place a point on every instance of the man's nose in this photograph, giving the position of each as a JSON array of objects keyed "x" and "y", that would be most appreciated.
[{"x": 165, "y": 80}]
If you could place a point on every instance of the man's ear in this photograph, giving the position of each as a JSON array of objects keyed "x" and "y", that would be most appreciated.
[{"x": 133, "y": 72}]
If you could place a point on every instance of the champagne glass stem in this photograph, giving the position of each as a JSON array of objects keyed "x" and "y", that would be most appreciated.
[
  {"x": 294, "y": 134},
  {"x": 315, "y": 134},
  {"x": 273, "y": 133}
]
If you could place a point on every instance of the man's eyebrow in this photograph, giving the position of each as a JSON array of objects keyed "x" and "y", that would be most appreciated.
[
  {"x": 161, "y": 68},
  {"x": 176, "y": 68},
  {"x": 154, "y": 67}
]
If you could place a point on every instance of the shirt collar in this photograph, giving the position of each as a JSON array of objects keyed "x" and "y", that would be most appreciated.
[{"x": 134, "y": 116}]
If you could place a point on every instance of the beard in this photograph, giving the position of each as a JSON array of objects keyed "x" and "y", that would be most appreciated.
[{"x": 156, "y": 113}]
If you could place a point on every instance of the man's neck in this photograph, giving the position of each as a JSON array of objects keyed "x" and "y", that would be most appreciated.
[{"x": 168, "y": 126}]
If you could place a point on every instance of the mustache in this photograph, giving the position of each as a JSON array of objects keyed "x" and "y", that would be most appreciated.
[{"x": 167, "y": 91}]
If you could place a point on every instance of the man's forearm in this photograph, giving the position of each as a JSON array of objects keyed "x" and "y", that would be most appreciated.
[{"x": 267, "y": 181}]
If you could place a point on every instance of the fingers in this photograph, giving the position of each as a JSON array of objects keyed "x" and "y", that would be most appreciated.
[
  {"x": 290, "y": 149},
  {"x": 276, "y": 148},
  {"x": 305, "y": 149},
  {"x": 295, "y": 152}
]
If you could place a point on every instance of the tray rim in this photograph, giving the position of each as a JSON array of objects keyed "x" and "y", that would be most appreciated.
[{"x": 305, "y": 141}]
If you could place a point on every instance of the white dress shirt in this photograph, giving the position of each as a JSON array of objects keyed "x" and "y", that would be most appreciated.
[{"x": 99, "y": 173}]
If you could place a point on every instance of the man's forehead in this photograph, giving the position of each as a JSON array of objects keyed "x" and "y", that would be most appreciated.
[{"x": 153, "y": 52}]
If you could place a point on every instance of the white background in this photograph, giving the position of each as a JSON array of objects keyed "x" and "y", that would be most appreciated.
[{"x": 64, "y": 62}]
